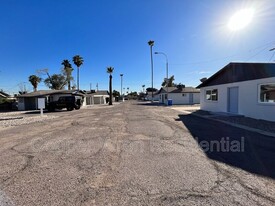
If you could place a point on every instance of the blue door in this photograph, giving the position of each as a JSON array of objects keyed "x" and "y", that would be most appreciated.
[{"x": 233, "y": 100}]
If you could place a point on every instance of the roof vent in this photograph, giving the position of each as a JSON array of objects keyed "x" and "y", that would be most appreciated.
[{"x": 203, "y": 79}]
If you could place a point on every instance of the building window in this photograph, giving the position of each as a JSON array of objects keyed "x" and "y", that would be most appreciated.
[
  {"x": 211, "y": 95},
  {"x": 267, "y": 93}
]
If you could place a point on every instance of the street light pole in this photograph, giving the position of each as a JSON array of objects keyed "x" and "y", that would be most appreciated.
[
  {"x": 121, "y": 75},
  {"x": 166, "y": 72},
  {"x": 151, "y": 44}
]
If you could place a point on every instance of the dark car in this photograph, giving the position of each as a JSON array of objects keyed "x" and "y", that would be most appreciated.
[{"x": 68, "y": 102}]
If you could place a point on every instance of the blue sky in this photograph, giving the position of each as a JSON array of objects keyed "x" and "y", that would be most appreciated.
[{"x": 193, "y": 33}]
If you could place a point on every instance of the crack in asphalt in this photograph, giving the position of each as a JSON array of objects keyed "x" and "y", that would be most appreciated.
[
  {"x": 29, "y": 159},
  {"x": 111, "y": 174}
]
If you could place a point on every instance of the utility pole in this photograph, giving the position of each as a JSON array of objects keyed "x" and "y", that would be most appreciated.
[
  {"x": 151, "y": 44},
  {"x": 167, "y": 93},
  {"x": 121, "y": 75}
]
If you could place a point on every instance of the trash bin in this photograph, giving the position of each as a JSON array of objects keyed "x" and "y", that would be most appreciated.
[{"x": 170, "y": 102}]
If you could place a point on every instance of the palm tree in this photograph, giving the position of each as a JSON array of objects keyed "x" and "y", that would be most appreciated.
[
  {"x": 68, "y": 72},
  {"x": 143, "y": 86},
  {"x": 110, "y": 71},
  {"x": 168, "y": 82},
  {"x": 34, "y": 80},
  {"x": 78, "y": 61}
]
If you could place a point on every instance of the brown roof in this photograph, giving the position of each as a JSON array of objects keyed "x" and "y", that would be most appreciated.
[
  {"x": 177, "y": 90},
  {"x": 41, "y": 93},
  {"x": 4, "y": 94},
  {"x": 99, "y": 92},
  {"x": 239, "y": 72}
]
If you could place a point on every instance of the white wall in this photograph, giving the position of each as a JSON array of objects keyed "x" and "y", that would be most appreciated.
[
  {"x": 149, "y": 96},
  {"x": 196, "y": 98},
  {"x": 249, "y": 104},
  {"x": 177, "y": 98}
]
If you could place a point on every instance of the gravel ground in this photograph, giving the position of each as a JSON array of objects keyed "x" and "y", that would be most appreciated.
[{"x": 9, "y": 119}]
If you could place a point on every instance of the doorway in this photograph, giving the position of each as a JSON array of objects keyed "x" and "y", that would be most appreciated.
[{"x": 233, "y": 100}]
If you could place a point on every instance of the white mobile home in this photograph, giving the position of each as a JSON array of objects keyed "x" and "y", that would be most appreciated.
[
  {"x": 98, "y": 97},
  {"x": 241, "y": 88},
  {"x": 182, "y": 95}
]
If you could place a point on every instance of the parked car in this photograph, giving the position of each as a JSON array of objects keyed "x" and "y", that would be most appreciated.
[{"x": 68, "y": 102}]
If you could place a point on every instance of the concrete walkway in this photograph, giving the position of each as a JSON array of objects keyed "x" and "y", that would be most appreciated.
[{"x": 260, "y": 126}]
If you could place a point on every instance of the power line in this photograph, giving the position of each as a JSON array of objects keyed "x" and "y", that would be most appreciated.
[
  {"x": 273, "y": 49},
  {"x": 264, "y": 46},
  {"x": 262, "y": 50}
]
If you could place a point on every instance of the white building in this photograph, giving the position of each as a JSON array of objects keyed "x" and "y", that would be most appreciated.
[
  {"x": 98, "y": 97},
  {"x": 241, "y": 88},
  {"x": 155, "y": 96},
  {"x": 184, "y": 95}
]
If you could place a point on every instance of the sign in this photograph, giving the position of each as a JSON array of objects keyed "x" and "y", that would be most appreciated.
[{"x": 41, "y": 103}]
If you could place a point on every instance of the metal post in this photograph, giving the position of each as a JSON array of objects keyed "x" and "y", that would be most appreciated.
[
  {"x": 121, "y": 75},
  {"x": 167, "y": 92},
  {"x": 151, "y": 44}
]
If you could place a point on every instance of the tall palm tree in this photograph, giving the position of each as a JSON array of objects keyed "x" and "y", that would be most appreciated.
[
  {"x": 34, "y": 80},
  {"x": 110, "y": 71},
  {"x": 78, "y": 61},
  {"x": 68, "y": 72}
]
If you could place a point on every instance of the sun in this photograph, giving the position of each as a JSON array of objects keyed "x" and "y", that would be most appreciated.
[{"x": 241, "y": 19}]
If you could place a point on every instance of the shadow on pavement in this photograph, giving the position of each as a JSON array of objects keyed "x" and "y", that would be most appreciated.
[
  {"x": 46, "y": 111},
  {"x": 256, "y": 152},
  {"x": 150, "y": 104}
]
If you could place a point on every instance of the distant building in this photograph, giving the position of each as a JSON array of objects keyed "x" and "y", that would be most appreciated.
[
  {"x": 183, "y": 95},
  {"x": 97, "y": 97},
  {"x": 241, "y": 88},
  {"x": 155, "y": 96}
]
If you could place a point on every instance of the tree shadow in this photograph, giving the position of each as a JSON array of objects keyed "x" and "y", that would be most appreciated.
[{"x": 220, "y": 142}]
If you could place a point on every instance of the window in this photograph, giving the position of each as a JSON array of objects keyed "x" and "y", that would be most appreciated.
[
  {"x": 211, "y": 95},
  {"x": 208, "y": 94},
  {"x": 267, "y": 93}
]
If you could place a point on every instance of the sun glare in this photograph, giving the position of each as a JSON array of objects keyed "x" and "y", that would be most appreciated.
[{"x": 241, "y": 19}]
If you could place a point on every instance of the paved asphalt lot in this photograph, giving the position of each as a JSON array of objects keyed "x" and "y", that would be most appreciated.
[{"x": 133, "y": 154}]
